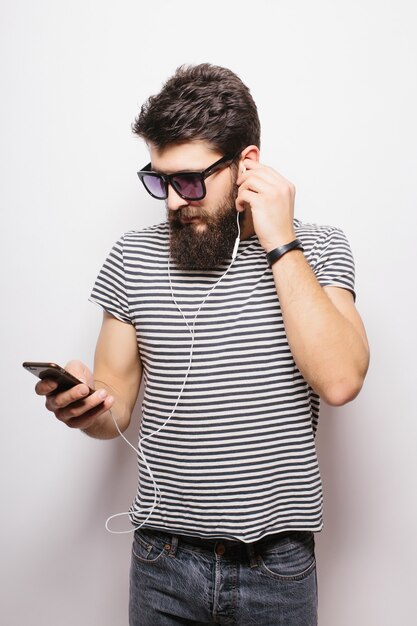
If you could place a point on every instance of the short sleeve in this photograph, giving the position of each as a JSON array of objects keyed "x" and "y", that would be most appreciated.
[
  {"x": 332, "y": 261},
  {"x": 109, "y": 290}
]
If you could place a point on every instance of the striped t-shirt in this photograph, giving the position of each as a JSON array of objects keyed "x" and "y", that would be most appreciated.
[{"x": 235, "y": 457}]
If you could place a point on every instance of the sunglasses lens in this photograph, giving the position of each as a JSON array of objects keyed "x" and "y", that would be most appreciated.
[
  {"x": 154, "y": 185},
  {"x": 189, "y": 186}
]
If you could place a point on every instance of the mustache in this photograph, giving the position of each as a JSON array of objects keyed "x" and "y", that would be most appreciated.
[{"x": 187, "y": 212}]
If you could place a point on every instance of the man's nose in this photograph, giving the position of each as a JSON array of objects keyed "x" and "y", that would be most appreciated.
[{"x": 174, "y": 201}]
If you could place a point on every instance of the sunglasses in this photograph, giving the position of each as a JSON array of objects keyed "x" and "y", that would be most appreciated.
[{"x": 188, "y": 185}]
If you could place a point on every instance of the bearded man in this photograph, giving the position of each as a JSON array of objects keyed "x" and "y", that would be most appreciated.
[{"x": 237, "y": 317}]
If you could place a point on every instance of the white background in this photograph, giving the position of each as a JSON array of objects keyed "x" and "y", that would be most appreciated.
[{"x": 335, "y": 84}]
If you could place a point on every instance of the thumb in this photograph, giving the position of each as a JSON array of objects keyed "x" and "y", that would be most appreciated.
[{"x": 80, "y": 371}]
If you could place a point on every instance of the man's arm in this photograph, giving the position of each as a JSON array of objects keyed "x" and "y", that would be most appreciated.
[
  {"x": 116, "y": 379},
  {"x": 324, "y": 330}
]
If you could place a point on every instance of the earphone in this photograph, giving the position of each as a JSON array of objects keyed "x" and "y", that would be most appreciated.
[
  {"x": 139, "y": 450},
  {"x": 237, "y": 242}
]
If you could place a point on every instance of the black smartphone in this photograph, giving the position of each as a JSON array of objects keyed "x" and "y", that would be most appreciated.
[{"x": 54, "y": 372}]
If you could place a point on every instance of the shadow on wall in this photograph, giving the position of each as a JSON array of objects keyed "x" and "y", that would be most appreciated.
[
  {"x": 329, "y": 443},
  {"x": 348, "y": 475}
]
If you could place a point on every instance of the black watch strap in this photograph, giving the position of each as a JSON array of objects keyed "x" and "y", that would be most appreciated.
[{"x": 273, "y": 255}]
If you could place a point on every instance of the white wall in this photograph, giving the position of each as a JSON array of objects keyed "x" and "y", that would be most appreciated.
[{"x": 335, "y": 84}]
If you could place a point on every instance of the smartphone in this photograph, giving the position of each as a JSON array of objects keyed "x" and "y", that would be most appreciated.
[{"x": 54, "y": 372}]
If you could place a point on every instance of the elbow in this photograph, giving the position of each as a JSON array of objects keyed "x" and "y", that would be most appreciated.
[
  {"x": 342, "y": 392},
  {"x": 346, "y": 384}
]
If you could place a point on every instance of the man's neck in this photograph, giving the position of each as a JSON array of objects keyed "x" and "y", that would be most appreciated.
[{"x": 246, "y": 226}]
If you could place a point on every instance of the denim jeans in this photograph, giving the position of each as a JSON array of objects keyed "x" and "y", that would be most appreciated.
[{"x": 180, "y": 580}]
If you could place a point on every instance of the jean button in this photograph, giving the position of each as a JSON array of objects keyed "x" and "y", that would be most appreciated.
[
  {"x": 220, "y": 549},
  {"x": 167, "y": 547}
]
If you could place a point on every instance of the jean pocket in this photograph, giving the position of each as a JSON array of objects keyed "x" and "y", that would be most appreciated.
[
  {"x": 148, "y": 549},
  {"x": 290, "y": 559}
]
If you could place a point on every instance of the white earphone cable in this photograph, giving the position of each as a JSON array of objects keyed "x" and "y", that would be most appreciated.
[{"x": 139, "y": 450}]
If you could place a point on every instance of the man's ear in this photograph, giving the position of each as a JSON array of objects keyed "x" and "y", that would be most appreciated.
[{"x": 250, "y": 152}]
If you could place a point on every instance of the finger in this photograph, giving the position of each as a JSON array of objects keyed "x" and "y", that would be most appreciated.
[
  {"x": 80, "y": 371},
  {"x": 58, "y": 401},
  {"x": 258, "y": 184},
  {"x": 259, "y": 173},
  {"x": 265, "y": 171},
  {"x": 246, "y": 172},
  {"x": 279, "y": 188},
  {"x": 240, "y": 206},
  {"x": 45, "y": 386},
  {"x": 83, "y": 406},
  {"x": 245, "y": 199},
  {"x": 88, "y": 418}
]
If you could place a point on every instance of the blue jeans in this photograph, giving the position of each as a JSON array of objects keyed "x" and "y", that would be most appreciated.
[{"x": 184, "y": 580}]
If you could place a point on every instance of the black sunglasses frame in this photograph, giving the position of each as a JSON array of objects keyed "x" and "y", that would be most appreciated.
[{"x": 169, "y": 179}]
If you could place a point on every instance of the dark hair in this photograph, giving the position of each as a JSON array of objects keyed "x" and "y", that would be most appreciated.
[{"x": 205, "y": 102}]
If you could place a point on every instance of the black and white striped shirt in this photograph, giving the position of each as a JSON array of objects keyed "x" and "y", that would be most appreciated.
[{"x": 235, "y": 457}]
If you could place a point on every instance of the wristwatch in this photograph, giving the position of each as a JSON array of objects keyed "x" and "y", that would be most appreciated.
[{"x": 273, "y": 255}]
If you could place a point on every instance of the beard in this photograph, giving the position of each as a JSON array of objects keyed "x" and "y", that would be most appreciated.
[{"x": 204, "y": 249}]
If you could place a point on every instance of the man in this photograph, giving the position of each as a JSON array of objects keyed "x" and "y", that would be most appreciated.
[{"x": 239, "y": 317}]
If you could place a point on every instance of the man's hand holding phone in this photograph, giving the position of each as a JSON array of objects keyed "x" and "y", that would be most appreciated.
[{"x": 81, "y": 406}]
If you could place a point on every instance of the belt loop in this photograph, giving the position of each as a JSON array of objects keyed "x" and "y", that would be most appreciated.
[
  {"x": 174, "y": 545},
  {"x": 253, "y": 561}
]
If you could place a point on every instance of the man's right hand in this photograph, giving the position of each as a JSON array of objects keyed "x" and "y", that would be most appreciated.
[{"x": 75, "y": 407}]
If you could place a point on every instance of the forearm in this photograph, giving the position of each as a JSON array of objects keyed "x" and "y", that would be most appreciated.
[
  {"x": 117, "y": 371},
  {"x": 330, "y": 351}
]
